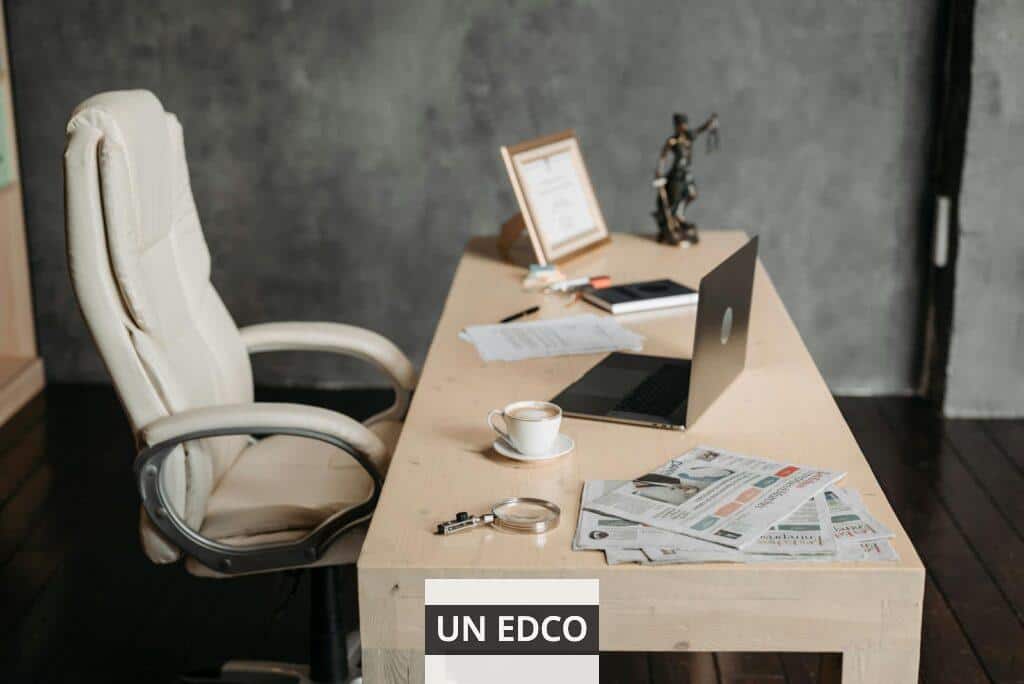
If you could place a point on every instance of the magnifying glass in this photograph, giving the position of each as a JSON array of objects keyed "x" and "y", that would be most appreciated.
[{"x": 518, "y": 514}]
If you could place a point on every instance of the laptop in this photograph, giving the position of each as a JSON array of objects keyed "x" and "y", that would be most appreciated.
[{"x": 669, "y": 392}]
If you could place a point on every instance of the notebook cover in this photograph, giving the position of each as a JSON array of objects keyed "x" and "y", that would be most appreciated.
[{"x": 648, "y": 291}]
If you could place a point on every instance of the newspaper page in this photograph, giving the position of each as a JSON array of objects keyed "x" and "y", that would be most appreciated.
[
  {"x": 805, "y": 535},
  {"x": 662, "y": 555},
  {"x": 879, "y": 551},
  {"x": 806, "y": 532},
  {"x": 597, "y": 531},
  {"x": 851, "y": 520},
  {"x": 716, "y": 495},
  {"x": 870, "y": 551},
  {"x": 620, "y": 556}
]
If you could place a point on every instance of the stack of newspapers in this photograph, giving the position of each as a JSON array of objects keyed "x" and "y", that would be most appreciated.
[{"x": 710, "y": 505}]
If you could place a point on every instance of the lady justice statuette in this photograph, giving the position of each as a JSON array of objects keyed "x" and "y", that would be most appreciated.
[{"x": 676, "y": 184}]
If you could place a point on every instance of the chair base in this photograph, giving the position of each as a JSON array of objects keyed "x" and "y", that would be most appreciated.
[
  {"x": 270, "y": 672},
  {"x": 335, "y": 654}
]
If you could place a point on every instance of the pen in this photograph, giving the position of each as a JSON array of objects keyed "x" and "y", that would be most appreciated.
[{"x": 524, "y": 312}]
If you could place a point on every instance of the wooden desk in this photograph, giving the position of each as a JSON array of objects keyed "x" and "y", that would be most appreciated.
[{"x": 779, "y": 408}]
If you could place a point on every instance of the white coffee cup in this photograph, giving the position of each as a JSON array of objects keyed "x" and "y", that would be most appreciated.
[{"x": 531, "y": 427}]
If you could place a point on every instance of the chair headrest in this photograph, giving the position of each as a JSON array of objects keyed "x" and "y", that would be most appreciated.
[{"x": 138, "y": 177}]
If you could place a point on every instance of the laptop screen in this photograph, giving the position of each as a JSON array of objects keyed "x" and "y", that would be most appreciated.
[{"x": 723, "y": 320}]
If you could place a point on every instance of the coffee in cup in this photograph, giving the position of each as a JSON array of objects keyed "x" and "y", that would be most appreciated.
[{"x": 531, "y": 427}]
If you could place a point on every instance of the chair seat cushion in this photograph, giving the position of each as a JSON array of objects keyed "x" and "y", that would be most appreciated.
[{"x": 283, "y": 486}]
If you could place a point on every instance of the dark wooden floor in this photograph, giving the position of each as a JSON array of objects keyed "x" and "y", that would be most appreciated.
[{"x": 79, "y": 601}]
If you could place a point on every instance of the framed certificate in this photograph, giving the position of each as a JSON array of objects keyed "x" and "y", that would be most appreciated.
[{"x": 556, "y": 199}]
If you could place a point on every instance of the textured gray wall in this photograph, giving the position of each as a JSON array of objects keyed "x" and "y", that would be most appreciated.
[
  {"x": 341, "y": 155},
  {"x": 986, "y": 359}
]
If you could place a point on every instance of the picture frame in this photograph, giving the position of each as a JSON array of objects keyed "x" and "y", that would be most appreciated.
[{"x": 558, "y": 207}]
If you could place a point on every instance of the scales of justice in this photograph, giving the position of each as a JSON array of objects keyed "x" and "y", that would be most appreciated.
[{"x": 674, "y": 180}]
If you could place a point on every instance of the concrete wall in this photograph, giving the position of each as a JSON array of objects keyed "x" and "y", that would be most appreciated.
[
  {"x": 985, "y": 375},
  {"x": 341, "y": 153}
]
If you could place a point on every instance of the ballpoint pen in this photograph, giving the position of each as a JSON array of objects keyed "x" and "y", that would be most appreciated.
[{"x": 524, "y": 312}]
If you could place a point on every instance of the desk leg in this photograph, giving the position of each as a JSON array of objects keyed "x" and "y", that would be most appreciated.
[
  {"x": 392, "y": 666},
  {"x": 891, "y": 665}
]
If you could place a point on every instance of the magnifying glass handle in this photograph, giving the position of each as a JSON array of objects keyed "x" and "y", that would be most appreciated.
[{"x": 464, "y": 521}]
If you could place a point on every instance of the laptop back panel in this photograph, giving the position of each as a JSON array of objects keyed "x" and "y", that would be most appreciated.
[
  {"x": 720, "y": 337},
  {"x": 606, "y": 391}
]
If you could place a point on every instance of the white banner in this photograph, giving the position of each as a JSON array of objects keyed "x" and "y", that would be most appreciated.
[{"x": 511, "y": 631}]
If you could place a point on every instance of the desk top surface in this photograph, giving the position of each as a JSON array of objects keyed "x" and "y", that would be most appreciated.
[{"x": 779, "y": 408}]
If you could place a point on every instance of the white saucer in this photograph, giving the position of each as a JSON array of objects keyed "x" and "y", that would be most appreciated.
[{"x": 561, "y": 447}]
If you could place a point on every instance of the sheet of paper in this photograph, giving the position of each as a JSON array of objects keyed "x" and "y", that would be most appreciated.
[
  {"x": 879, "y": 551},
  {"x": 584, "y": 334},
  {"x": 806, "y": 532},
  {"x": 851, "y": 520},
  {"x": 661, "y": 555},
  {"x": 804, "y": 536},
  {"x": 597, "y": 531},
  {"x": 717, "y": 496},
  {"x": 620, "y": 556},
  {"x": 557, "y": 199}
]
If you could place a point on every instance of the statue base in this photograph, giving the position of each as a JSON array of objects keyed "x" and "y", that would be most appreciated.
[{"x": 678, "y": 233}]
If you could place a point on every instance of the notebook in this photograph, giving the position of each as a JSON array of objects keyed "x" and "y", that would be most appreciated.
[{"x": 645, "y": 296}]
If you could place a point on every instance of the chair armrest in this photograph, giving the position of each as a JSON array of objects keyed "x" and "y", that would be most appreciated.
[
  {"x": 344, "y": 339},
  {"x": 163, "y": 435}
]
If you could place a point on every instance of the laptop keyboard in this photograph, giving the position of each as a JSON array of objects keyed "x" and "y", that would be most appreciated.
[{"x": 659, "y": 394}]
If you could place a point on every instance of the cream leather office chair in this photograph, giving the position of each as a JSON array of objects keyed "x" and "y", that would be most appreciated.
[{"x": 212, "y": 493}]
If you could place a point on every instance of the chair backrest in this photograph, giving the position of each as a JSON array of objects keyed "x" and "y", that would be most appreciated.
[{"x": 141, "y": 273}]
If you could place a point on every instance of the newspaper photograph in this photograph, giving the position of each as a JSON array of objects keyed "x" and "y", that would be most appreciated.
[
  {"x": 716, "y": 495},
  {"x": 851, "y": 520},
  {"x": 596, "y": 531}
]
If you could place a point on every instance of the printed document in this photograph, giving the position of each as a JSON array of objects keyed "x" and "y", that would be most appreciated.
[
  {"x": 597, "y": 531},
  {"x": 584, "y": 334},
  {"x": 850, "y": 520},
  {"x": 716, "y": 495},
  {"x": 620, "y": 556},
  {"x": 878, "y": 550},
  {"x": 806, "y": 532},
  {"x": 558, "y": 201},
  {"x": 803, "y": 536}
]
